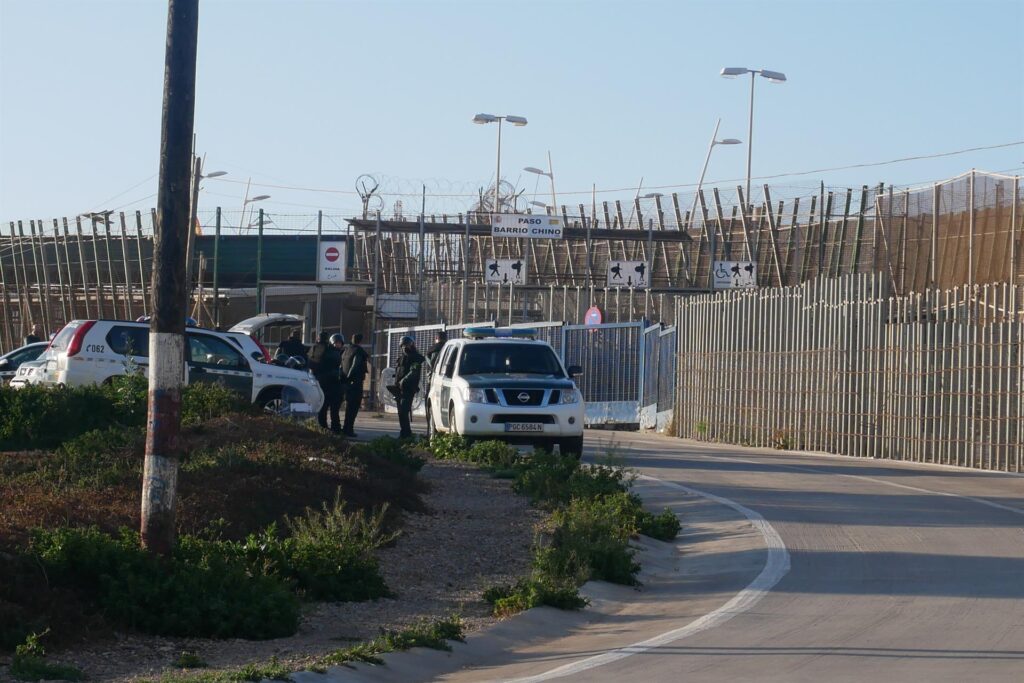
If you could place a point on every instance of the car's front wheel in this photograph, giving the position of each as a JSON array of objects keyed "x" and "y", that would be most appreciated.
[
  {"x": 572, "y": 446},
  {"x": 271, "y": 401}
]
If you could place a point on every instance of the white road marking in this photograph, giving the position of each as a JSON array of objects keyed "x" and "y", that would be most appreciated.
[{"x": 774, "y": 569}]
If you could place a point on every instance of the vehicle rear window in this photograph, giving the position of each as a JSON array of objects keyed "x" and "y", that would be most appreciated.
[
  {"x": 63, "y": 338},
  {"x": 509, "y": 359},
  {"x": 129, "y": 340}
]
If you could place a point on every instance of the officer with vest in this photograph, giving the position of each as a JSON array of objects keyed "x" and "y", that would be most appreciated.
[
  {"x": 407, "y": 378},
  {"x": 354, "y": 361}
]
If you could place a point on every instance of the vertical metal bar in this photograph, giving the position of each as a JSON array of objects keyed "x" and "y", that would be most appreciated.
[
  {"x": 259, "y": 265},
  {"x": 216, "y": 270},
  {"x": 128, "y": 294},
  {"x": 72, "y": 298},
  {"x": 110, "y": 270},
  {"x": 970, "y": 225},
  {"x": 60, "y": 273},
  {"x": 100, "y": 308},
  {"x": 42, "y": 279},
  {"x": 9, "y": 334},
  {"x": 85, "y": 274},
  {"x": 142, "y": 265}
]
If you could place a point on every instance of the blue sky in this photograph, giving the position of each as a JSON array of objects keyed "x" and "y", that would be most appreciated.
[{"x": 313, "y": 94}]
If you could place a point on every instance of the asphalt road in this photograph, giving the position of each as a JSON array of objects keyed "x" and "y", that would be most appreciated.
[{"x": 803, "y": 568}]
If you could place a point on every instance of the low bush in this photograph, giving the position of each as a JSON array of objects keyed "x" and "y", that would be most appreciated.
[
  {"x": 396, "y": 451},
  {"x": 330, "y": 553},
  {"x": 534, "y": 591},
  {"x": 664, "y": 526},
  {"x": 97, "y": 458},
  {"x": 206, "y": 589},
  {"x": 43, "y": 418},
  {"x": 493, "y": 455},
  {"x": 552, "y": 480},
  {"x": 590, "y": 540},
  {"x": 434, "y": 635},
  {"x": 448, "y": 446},
  {"x": 29, "y": 663}
]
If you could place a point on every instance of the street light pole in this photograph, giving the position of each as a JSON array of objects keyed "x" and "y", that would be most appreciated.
[
  {"x": 750, "y": 138},
  {"x": 491, "y": 118},
  {"x": 707, "y": 159},
  {"x": 773, "y": 77},
  {"x": 497, "y": 172}
]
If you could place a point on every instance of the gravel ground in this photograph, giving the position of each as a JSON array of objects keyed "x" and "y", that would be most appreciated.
[{"x": 477, "y": 534}]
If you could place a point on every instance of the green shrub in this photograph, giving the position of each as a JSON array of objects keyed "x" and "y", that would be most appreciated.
[
  {"x": 552, "y": 480},
  {"x": 397, "y": 451},
  {"x": 330, "y": 553},
  {"x": 493, "y": 455},
  {"x": 29, "y": 663},
  {"x": 590, "y": 540},
  {"x": 203, "y": 401},
  {"x": 206, "y": 589},
  {"x": 423, "y": 633},
  {"x": 100, "y": 457},
  {"x": 44, "y": 417},
  {"x": 664, "y": 526},
  {"x": 534, "y": 591},
  {"x": 37, "y": 417},
  {"x": 448, "y": 446},
  {"x": 189, "y": 659}
]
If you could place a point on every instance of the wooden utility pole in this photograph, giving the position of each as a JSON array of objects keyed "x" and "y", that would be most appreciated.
[{"x": 167, "y": 328}]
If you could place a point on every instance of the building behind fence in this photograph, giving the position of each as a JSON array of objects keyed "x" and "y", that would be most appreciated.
[{"x": 840, "y": 365}]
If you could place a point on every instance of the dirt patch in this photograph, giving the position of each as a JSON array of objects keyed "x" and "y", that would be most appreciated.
[{"x": 477, "y": 533}]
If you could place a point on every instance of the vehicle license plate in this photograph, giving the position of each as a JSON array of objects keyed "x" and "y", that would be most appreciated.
[{"x": 524, "y": 427}]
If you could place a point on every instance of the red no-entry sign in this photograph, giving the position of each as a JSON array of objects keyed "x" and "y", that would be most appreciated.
[{"x": 332, "y": 254}]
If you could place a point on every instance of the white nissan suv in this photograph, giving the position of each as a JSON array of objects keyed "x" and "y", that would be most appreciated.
[
  {"x": 504, "y": 384},
  {"x": 94, "y": 351}
]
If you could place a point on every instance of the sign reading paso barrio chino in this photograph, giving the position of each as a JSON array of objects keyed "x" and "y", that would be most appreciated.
[{"x": 526, "y": 225}]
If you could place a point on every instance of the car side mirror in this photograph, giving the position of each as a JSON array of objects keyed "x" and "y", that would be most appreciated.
[{"x": 575, "y": 370}]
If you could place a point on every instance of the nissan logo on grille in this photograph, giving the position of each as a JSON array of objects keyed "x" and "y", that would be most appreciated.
[{"x": 523, "y": 397}]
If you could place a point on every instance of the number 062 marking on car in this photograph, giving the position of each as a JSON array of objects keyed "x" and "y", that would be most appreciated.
[{"x": 95, "y": 348}]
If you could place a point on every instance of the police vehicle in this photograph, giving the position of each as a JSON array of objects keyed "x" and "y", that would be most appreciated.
[{"x": 505, "y": 384}]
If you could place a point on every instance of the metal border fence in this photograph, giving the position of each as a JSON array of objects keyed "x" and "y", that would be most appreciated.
[{"x": 840, "y": 366}]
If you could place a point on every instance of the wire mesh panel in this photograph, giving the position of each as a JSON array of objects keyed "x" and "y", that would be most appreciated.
[
  {"x": 610, "y": 358},
  {"x": 666, "y": 371}
]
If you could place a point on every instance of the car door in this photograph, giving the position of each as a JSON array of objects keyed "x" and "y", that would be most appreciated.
[
  {"x": 447, "y": 370},
  {"x": 215, "y": 361}
]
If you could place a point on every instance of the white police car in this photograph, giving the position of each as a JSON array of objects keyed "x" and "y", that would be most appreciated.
[{"x": 505, "y": 384}]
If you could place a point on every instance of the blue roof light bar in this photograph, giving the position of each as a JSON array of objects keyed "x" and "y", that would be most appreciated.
[{"x": 501, "y": 333}]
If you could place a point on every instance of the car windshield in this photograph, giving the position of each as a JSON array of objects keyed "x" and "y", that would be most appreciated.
[{"x": 509, "y": 359}]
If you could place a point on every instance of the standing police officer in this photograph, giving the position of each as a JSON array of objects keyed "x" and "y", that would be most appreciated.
[
  {"x": 434, "y": 352},
  {"x": 327, "y": 373},
  {"x": 407, "y": 377},
  {"x": 353, "y": 372}
]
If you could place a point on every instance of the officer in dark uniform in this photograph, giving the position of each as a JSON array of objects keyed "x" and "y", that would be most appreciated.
[
  {"x": 434, "y": 352},
  {"x": 293, "y": 346},
  {"x": 407, "y": 377},
  {"x": 33, "y": 337},
  {"x": 327, "y": 373},
  {"x": 353, "y": 372}
]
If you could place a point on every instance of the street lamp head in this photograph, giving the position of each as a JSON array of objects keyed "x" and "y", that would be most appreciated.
[
  {"x": 215, "y": 174},
  {"x": 773, "y": 76},
  {"x": 734, "y": 71},
  {"x": 653, "y": 195},
  {"x": 516, "y": 120},
  {"x": 485, "y": 118},
  {"x": 729, "y": 141},
  {"x": 531, "y": 169},
  {"x": 540, "y": 204},
  {"x": 260, "y": 198}
]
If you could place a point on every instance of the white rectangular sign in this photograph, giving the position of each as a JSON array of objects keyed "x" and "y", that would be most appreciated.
[
  {"x": 735, "y": 274},
  {"x": 526, "y": 225},
  {"x": 331, "y": 261},
  {"x": 505, "y": 271},
  {"x": 635, "y": 274}
]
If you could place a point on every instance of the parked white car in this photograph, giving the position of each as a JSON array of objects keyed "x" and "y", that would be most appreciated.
[
  {"x": 504, "y": 384},
  {"x": 10, "y": 362},
  {"x": 94, "y": 351}
]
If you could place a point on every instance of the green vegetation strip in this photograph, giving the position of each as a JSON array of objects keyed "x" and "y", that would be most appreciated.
[
  {"x": 594, "y": 516},
  {"x": 430, "y": 634}
]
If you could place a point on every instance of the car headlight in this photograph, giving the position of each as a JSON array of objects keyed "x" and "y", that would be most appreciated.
[
  {"x": 569, "y": 396},
  {"x": 474, "y": 395}
]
